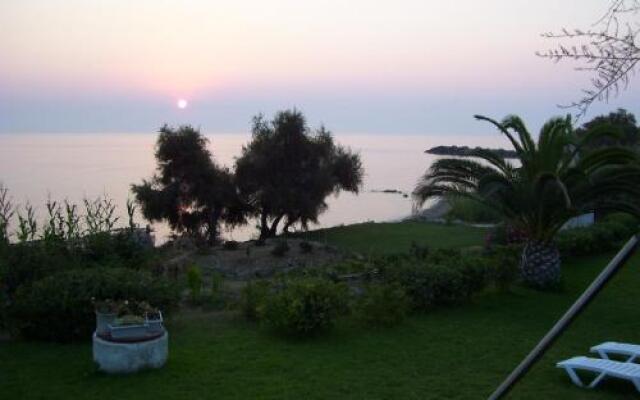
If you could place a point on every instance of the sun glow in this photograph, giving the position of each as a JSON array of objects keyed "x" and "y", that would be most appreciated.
[{"x": 182, "y": 104}]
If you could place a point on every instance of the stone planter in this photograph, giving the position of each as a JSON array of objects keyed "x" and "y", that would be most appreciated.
[
  {"x": 103, "y": 321},
  {"x": 150, "y": 328},
  {"x": 128, "y": 332},
  {"x": 155, "y": 325},
  {"x": 125, "y": 358}
]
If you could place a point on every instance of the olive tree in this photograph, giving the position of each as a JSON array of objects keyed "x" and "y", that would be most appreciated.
[{"x": 286, "y": 172}]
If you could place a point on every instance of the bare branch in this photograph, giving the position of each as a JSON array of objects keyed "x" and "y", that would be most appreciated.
[{"x": 609, "y": 51}]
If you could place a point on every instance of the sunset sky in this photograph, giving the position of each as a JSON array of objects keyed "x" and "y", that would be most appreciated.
[{"x": 359, "y": 66}]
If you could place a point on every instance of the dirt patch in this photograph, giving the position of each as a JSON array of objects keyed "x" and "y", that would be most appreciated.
[{"x": 254, "y": 260}]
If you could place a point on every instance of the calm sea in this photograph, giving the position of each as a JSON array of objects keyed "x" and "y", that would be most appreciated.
[{"x": 75, "y": 166}]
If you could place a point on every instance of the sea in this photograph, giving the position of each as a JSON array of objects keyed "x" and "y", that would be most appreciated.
[{"x": 37, "y": 167}]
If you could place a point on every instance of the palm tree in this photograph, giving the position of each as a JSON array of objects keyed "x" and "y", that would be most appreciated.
[{"x": 556, "y": 181}]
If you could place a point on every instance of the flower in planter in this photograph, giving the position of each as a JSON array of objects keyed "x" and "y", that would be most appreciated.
[
  {"x": 129, "y": 320},
  {"x": 106, "y": 306}
]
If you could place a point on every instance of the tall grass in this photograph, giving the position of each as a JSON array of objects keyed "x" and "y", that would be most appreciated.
[{"x": 63, "y": 220}]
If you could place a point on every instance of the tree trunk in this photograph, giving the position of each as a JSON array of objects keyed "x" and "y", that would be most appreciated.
[
  {"x": 274, "y": 226},
  {"x": 264, "y": 227},
  {"x": 286, "y": 226},
  {"x": 212, "y": 226},
  {"x": 540, "y": 265}
]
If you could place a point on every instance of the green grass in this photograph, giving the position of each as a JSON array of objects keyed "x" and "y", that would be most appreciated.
[
  {"x": 385, "y": 238},
  {"x": 455, "y": 353}
]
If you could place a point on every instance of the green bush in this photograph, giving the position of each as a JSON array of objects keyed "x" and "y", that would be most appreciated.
[
  {"x": 305, "y": 307},
  {"x": 60, "y": 307},
  {"x": 216, "y": 298},
  {"x": 504, "y": 262},
  {"x": 504, "y": 235},
  {"x": 280, "y": 249},
  {"x": 418, "y": 251},
  {"x": 444, "y": 278},
  {"x": 253, "y": 298},
  {"x": 217, "y": 282},
  {"x": 119, "y": 247},
  {"x": 194, "y": 282},
  {"x": 31, "y": 261},
  {"x": 607, "y": 235},
  {"x": 382, "y": 305}
]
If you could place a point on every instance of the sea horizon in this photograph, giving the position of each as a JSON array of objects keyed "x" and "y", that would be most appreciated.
[{"x": 75, "y": 166}]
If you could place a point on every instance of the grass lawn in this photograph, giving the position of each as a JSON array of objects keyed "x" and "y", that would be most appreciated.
[
  {"x": 456, "y": 353},
  {"x": 380, "y": 238}
]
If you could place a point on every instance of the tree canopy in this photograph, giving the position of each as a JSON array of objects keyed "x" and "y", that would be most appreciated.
[
  {"x": 287, "y": 171},
  {"x": 189, "y": 190},
  {"x": 621, "y": 122}
]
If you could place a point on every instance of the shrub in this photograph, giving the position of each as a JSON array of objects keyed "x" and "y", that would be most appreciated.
[
  {"x": 306, "y": 307},
  {"x": 280, "y": 249},
  {"x": 382, "y": 305},
  {"x": 504, "y": 235},
  {"x": 122, "y": 247},
  {"x": 217, "y": 281},
  {"x": 504, "y": 261},
  {"x": 604, "y": 236},
  {"x": 31, "y": 261},
  {"x": 438, "y": 280},
  {"x": 28, "y": 262},
  {"x": 194, "y": 282},
  {"x": 215, "y": 299},
  {"x": 418, "y": 251},
  {"x": 60, "y": 307},
  {"x": 306, "y": 247},
  {"x": 253, "y": 298},
  {"x": 230, "y": 245}
]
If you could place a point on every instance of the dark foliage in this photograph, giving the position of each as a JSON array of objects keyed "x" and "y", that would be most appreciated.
[
  {"x": 190, "y": 191},
  {"x": 608, "y": 235},
  {"x": 306, "y": 306},
  {"x": 253, "y": 298},
  {"x": 26, "y": 262},
  {"x": 231, "y": 245},
  {"x": 306, "y": 247},
  {"x": 465, "y": 151},
  {"x": 443, "y": 278},
  {"x": 503, "y": 264},
  {"x": 280, "y": 249},
  {"x": 504, "y": 235},
  {"x": 286, "y": 172},
  {"x": 60, "y": 307},
  {"x": 382, "y": 305},
  {"x": 194, "y": 283},
  {"x": 622, "y": 122}
]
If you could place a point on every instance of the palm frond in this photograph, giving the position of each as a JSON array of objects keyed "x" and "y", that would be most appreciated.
[
  {"x": 514, "y": 122},
  {"x": 516, "y": 146},
  {"x": 559, "y": 177}
]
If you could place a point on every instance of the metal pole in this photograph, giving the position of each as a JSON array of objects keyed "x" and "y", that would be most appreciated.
[{"x": 563, "y": 323}]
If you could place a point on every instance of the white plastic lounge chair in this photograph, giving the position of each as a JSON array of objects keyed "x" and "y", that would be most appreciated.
[
  {"x": 604, "y": 368},
  {"x": 606, "y": 349}
]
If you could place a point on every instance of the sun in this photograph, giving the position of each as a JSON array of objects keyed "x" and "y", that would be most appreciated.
[{"x": 182, "y": 104}]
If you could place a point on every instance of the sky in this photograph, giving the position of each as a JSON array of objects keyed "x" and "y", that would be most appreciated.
[{"x": 357, "y": 66}]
